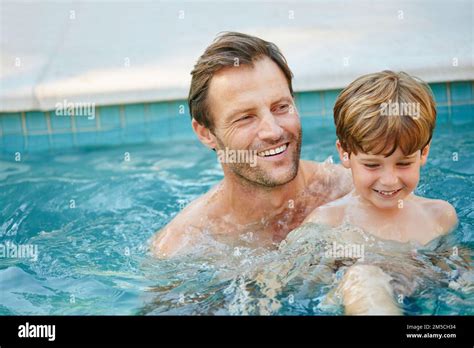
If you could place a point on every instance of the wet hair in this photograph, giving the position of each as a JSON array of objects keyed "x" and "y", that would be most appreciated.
[
  {"x": 227, "y": 50},
  {"x": 379, "y": 112}
]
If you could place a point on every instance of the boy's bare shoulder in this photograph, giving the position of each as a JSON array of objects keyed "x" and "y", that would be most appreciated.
[
  {"x": 442, "y": 212},
  {"x": 331, "y": 214}
]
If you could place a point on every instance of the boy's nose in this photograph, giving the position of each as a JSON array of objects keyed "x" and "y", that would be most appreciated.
[
  {"x": 269, "y": 129},
  {"x": 388, "y": 179}
]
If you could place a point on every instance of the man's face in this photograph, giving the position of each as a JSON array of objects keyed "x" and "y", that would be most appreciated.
[{"x": 252, "y": 109}]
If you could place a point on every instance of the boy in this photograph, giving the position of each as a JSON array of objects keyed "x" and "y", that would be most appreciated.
[{"x": 384, "y": 124}]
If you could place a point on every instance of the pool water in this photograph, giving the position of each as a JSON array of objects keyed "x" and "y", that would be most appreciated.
[{"x": 90, "y": 212}]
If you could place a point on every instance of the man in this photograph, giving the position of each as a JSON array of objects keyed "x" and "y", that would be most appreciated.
[{"x": 241, "y": 99}]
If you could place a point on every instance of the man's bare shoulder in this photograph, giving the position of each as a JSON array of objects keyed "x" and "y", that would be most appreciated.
[
  {"x": 334, "y": 178},
  {"x": 182, "y": 232}
]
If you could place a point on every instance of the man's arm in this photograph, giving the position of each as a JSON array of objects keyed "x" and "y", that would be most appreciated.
[
  {"x": 167, "y": 242},
  {"x": 179, "y": 235},
  {"x": 183, "y": 232}
]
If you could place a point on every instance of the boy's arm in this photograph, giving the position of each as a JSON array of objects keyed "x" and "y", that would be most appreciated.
[
  {"x": 326, "y": 215},
  {"x": 366, "y": 290}
]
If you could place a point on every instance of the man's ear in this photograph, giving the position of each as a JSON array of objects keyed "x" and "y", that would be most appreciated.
[
  {"x": 424, "y": 154},
  {"x": 343, "y": 155},
  {"x": 204, "y": 134}
]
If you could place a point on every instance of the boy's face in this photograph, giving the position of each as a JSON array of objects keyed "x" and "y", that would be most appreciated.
[{"x": 384, "y": 181}]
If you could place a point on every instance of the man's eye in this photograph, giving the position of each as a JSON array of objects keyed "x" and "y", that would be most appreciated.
[
  {"x": 282, "y": 107},
  {"x": 244, "y": 118},
  {"x": 371, "y": 165}
]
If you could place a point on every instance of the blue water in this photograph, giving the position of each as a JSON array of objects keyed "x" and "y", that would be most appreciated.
[{"x": 90, "y": 213}]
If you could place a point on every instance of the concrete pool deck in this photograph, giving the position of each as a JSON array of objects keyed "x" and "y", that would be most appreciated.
[{"x": 134, "y": 52}]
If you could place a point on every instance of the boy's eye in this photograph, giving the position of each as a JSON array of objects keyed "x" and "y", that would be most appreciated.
[
  {"x": 405, "y": 164},
  {"x": 371, "y": 165}
]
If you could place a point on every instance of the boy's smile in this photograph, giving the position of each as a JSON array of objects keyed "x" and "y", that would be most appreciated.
[{"x": 388, "y": 194}]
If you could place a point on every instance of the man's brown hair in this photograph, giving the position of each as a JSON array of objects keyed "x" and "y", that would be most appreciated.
[
  {"x": 228, "y": 49},
  {"x": 364, "y": 122}
]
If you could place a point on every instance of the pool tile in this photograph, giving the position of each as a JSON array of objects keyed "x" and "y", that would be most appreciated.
[
  {"x": 60, "y": 123},
  {"x": 461, "y": 91},
  {"x": 36, "y": 121},
  {"x": 309, "y": 103},
  {"x": 442, "y": 115},
  {"x": 316, "y": 121},
  {"x": 13, "y": 143},
  {"x": 134, "y": 133},
  {"x": 160, "y": 121},
  {"x": 159, "y": 129},
  {"x": 462, "y": 114},
  {"x": 170, "y": 120},
  {"x": 85, "y": 123},
  {"x": 83, "y": 114},
  {"x": 134, "y": 114},
  {"x": 11, "y": 123},
  {"x": 158, "y": 111},
  {"x": 181, "y": 128},
  {"x": 60, "y": 141},
  {"x": 439, "y": 92},
  {"x": 179, "y": 108},
  {"x": 135, "y": 126},
  {"x": 110, "y": 117},
  {"x": 330, "y": 99},
  {"x": 38, "y": 143},
  {"x": 86, "y": 138},
  {"x": 110, "y": 137}
]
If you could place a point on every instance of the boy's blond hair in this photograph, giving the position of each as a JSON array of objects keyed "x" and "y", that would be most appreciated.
[{"x": 379, "y": 112}]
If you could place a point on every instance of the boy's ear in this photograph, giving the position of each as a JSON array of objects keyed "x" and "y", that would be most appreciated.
[
  {"x": 204, "y": 134},
  {"x": 424, "y": 154},
  {"x": 343, "y": 155}
]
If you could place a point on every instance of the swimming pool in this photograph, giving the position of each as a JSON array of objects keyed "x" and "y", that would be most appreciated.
[{"x": 90, "y": 211}]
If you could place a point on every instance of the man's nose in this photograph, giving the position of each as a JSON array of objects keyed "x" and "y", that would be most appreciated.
[
  {"x": 388, "y": 178},
  {"x": 269, "y": 129}
]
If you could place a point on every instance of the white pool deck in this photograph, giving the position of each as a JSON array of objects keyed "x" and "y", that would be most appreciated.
[{"x": 117, "y": 52}]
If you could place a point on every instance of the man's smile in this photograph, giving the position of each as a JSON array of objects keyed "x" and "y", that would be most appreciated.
[{"x": 273, "y": 151}]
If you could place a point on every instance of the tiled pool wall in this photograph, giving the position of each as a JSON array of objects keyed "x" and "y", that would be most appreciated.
[{"x": 170, "y": 121}]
